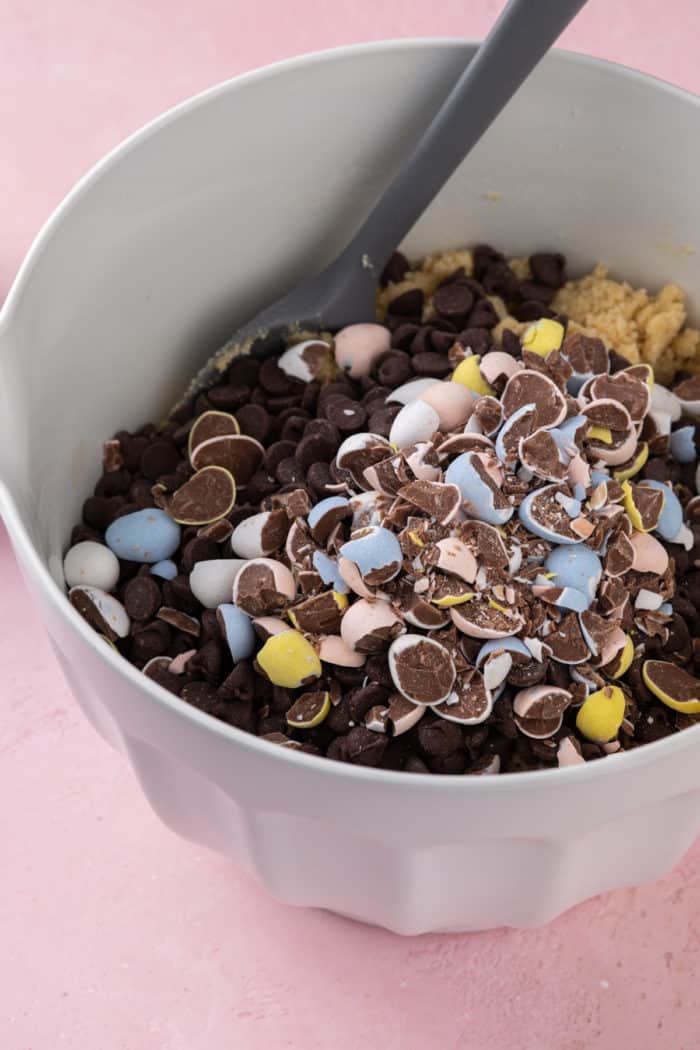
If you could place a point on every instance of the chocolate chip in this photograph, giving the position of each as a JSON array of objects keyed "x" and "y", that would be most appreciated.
[
  {"x": 402, "y": 336},
  {"x": 484, "y": 256},
  {"x": 499, "y": 279},
  {"x": 229, "y": 398},
  {"x": 453, "y": 300},
  {"x": 347, "y": 415},
  {"x": 483, "y": 315},
  {"x": 113, "y": 483},
  {"x": 408, "y": 304},
  {"x": 289, "y": 471},
  {"x": 394, "y": 369},
  {"x": 244, "y": 371},
  {"x": 318, "y": 476},
  {"x": 431, "y": 363},
  {"x": 149, "y": 640},
  {"x": 272, "y": 379},
  {"x": 548, "y": 268},
  {"x": 363, "y": 747},
  {"x": 395, "y": 270},
  {"x": 142, "y": 598},
  {"x": 198, "y": 549},
  {"x": 276, "y": 453},
  {"x": 539, "y": 293},
  {"x": 293, "y": 427}
]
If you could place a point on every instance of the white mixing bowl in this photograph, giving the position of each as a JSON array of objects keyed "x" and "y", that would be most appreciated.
[{"x": 192, "y": 225}]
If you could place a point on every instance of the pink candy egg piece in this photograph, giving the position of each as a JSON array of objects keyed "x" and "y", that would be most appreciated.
[
  {"x": 453, "y": 403},
  {"x": 358, "y": 346}
]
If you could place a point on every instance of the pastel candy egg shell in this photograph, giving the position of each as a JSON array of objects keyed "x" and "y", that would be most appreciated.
[
  {"x": 497, "y": 364},
  {"x": 329, "y": 571},
  {"x": 358, "y": 346},
  {"x": 411, "y": 391},
  {"x": 369, "y": 627},
  {"x": 671, "y": 517},
  {"x": 306, "y": 360},
  {"x": 543, "y": 336},
  {"x": 289, "y": 660},
  {"x": 102, "y": 611},
  {"x": 417, "y": 421},
  {"x": 238, "y": 631},
  {"x": 682, "y": 445},
  {"x": 146, "y": 536},
  {"x": 166, "y": 569},
  {"x": 211, "y": 580},
  {"x": 672, "y": 685},
  {"x": 468, "y": 374},
  {"x": 259, "y": 535},
  {"x": 251, "y": 594},
  {"x": 92, "y": 563},
  {"x": 481, "y": 501},
  {"x": 421, "y": 669},
  {"x": 527, "y": 515},
  {"x": 600, "y": 716},
  {"x": 649, "y": 555},
  {"x": 333, "y": 650},
  {"x": 495, "y": 645},
  {"x": 575, "y": 566},
  {"x": 376, "y": 552},
  {"x": 452, "y": 402}
]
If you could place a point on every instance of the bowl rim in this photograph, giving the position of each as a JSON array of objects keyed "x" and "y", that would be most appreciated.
[{"x": 309, "y": 764}]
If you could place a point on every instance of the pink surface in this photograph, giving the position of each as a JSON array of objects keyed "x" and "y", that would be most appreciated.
[{"x": 114, "y": 935}]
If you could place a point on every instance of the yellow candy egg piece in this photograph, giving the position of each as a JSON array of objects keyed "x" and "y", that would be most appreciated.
[
  {"x": 600, "y": 434},
  {"x": 543, "y": 336},
  {"x": 623, "y": 659},
  {"x": 300, "y": 716},
  {"x": 289, "y": 660},
  {"x": 636, "y": 465},
  {"x": 467, "y": 373},
  {"x": 448, "y": 600},
  {"x": 600, "y": 715},
  {"x": 341, "y": 600},
  {"x": 631, "y": 508},
  {"x": 691, "y": 706}
]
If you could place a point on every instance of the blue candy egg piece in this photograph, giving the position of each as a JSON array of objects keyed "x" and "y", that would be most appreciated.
[
  {"x": 532, "y": 525},
  {"x": 494, "y": 645},
  {"x": 328, "y": 570},
  {"x": 238, "y": 631},
  {"x": 377, "y": 549},
  {"x": 148, "y": 536},
  {"x": 597, "y": 476},
  {"x": 167, "y": 569},
  {"x": 319, "y": 509},
  {"x": 682, "y": 445},
  {"x": 576, "y": 381},
  {"x": 671, "y": 513},
  {"x": 565, "y": 434},
  {"x": 478, "y": 497},
  {"x": 512, "y": 421},
  {"x": 577, "y": 567}
]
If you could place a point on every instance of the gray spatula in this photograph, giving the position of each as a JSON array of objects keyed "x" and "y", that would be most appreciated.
[{"x": 344, "y": 293}]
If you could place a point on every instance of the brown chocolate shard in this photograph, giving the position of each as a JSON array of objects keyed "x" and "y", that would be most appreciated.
[
  {"x": 422, "y": 669},
  {"x": 630, "y": 391},
  {"x": 586, "y": 354},
  {"x": 435, "y": 498},
  {"x": 179, "y": 620},
  {"x": 469, "y": 703},
  {"x": 319, "y": 614},
  {"x": 539, "y": 452},
  {"x": 567, "y": 642},
  {"x": 531, "y": 388}
]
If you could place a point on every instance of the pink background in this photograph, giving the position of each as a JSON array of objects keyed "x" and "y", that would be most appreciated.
[{"x": 114, "y": 935}]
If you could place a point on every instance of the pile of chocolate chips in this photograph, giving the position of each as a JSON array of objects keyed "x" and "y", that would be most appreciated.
[{"x": 476, "y": 493}]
